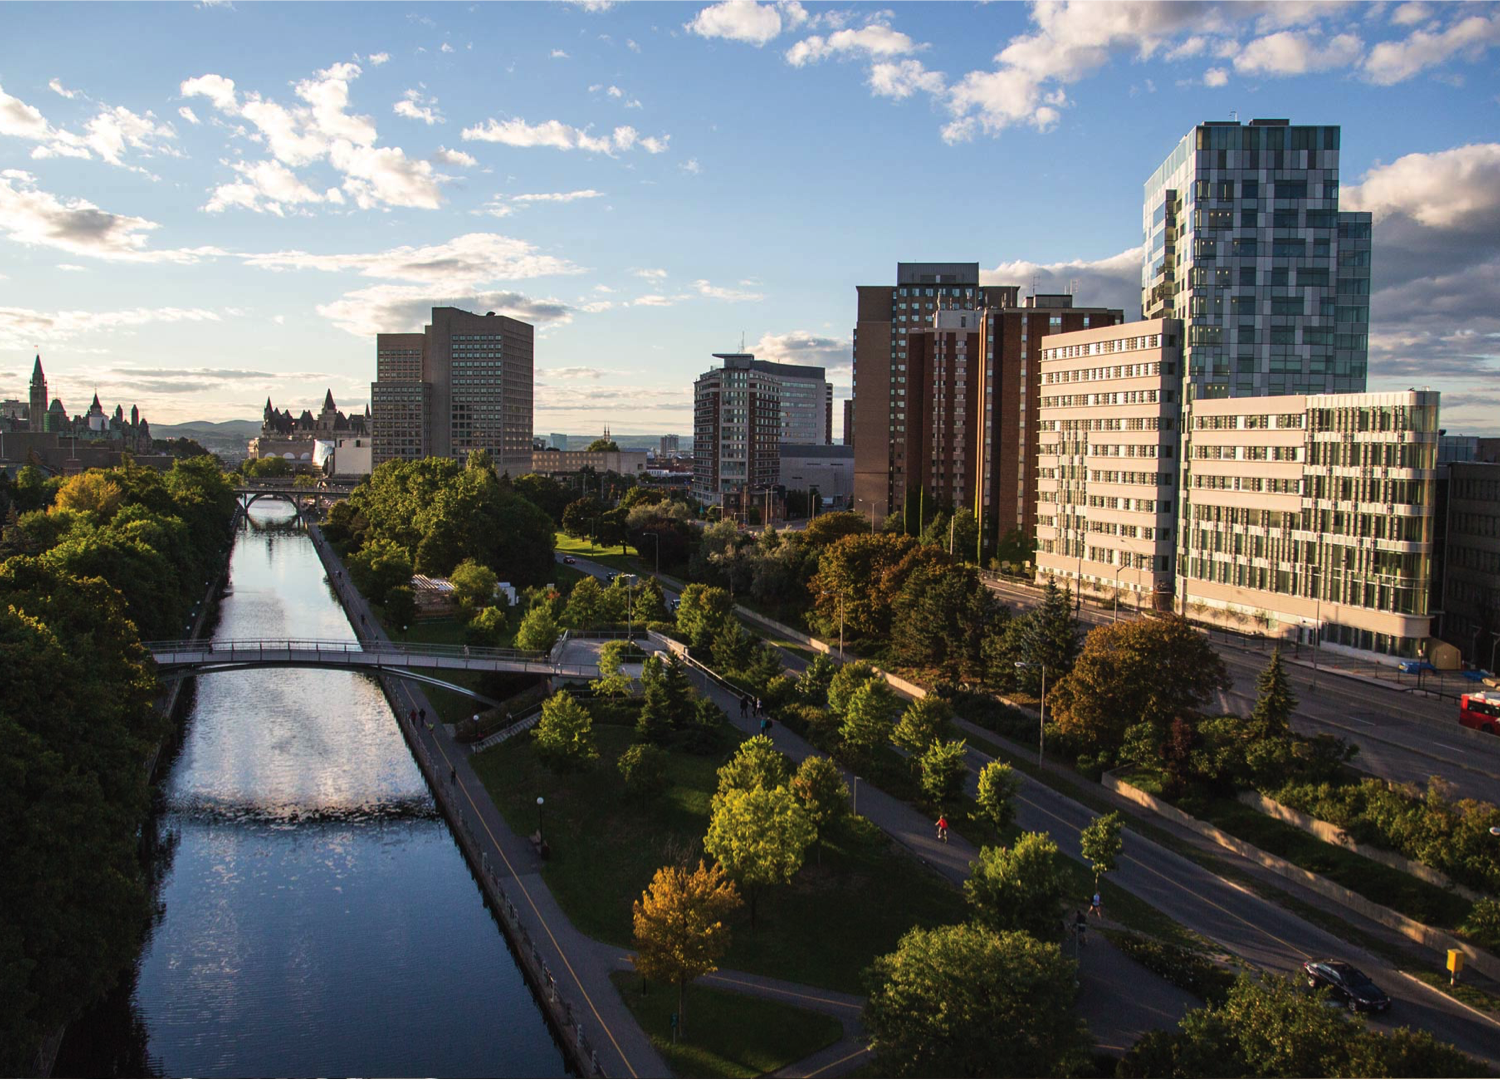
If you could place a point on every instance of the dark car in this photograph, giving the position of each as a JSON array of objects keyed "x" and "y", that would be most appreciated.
[
  {"x": 569, "y": 560},
  {"x": 1348, "y": 984}
]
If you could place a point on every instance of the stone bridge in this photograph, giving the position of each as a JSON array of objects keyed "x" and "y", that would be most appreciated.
[{"x": 307, "y": 501}]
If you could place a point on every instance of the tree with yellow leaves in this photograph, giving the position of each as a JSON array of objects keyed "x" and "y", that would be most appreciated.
[{"x": 680, "y": 926}]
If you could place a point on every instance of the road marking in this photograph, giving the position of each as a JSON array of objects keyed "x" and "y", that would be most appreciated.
[
  {"x": 1446, "y": 997},
  {"x": 1445, "y": 746},
  {"x": 763, "y": 988},
  {"x": 840, "y": 1061}
]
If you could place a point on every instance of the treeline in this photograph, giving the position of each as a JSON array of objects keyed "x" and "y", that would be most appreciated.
[{"x": 108, "y": 557}]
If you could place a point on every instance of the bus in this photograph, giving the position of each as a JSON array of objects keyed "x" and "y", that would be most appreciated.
[{"x": 1480, "y": 712}]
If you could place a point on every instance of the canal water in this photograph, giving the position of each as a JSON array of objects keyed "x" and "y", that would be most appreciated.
[{"x": 316, "y": 916}]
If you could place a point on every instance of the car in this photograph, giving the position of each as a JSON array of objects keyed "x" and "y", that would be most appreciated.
[
  {"x": 609, "y": 579},
  {"x": 569, "y": 560},
  {"x": 674, "y": 603},
  {"x": 1346, "y": 983}
]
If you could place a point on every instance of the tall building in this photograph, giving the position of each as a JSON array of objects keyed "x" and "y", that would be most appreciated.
[
  {"x": 806, "y": 398},
  {"x": 37, "y": 416},
  {"x": 670, "y": 444},
  {"x": 463, "y": 384},
  {"x": 1245, "y": 244},
  {"x": 737, "y": 424},
  {"x": 1469, "y": 596},
  {"x": 946, "y": 373},
  {"x": 1107, "y": 459},
  {"x": 848, "y": 421}
]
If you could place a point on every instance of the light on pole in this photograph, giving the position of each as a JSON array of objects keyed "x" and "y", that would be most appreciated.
[
  {"x": 539, "y": 819},
  {"x": 1496, "y": 635},
  {"x": 1041, "y": 727},
  {"x": 855, "y": 807}
]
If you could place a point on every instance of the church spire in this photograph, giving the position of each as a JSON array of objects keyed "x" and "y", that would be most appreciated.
[{"x": 328, "y": 400}]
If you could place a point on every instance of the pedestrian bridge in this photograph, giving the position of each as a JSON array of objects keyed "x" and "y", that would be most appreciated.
[{"x": 422, "y": 663}]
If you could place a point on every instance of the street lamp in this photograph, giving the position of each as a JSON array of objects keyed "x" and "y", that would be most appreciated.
[
  {"x": 1041, "y": 727},
  {"x": 1496, "y": 635},
  {"x": 539, "y": 819}
]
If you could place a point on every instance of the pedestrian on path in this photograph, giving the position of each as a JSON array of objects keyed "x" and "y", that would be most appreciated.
[
  {"x": 764, "y": 724},
  {"x": 452, "y": 774},
  {"x": 1080, "y": 927},
  {"x": 942, "y": 828},
  {"x": 757, "y": 707},
  {"x": 423, "y": 715},
  {"x": 1097, "y": 907},
  {"x": 744, "y": 705},
  {"x": 412, "y": 718}
]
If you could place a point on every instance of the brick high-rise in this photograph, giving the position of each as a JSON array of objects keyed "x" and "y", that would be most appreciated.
[{"x": 946, "y": 376}]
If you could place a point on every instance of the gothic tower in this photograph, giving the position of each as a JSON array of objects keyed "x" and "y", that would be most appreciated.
[{"x": 38, "y": 413}]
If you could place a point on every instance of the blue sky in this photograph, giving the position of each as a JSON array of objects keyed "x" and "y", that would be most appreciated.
[{"x": 202, "y": 205}]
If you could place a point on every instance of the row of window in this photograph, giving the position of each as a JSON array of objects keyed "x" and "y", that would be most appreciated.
[
  {"x": 1117, "y": 371},
  {"x": 1118, "y": 397},
  {"x": 1271, "y": 485},
  {"x": 1098, "y": 348}
]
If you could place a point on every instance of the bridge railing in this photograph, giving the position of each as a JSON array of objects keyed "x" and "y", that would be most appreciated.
[{"x": 341, "y": 646}]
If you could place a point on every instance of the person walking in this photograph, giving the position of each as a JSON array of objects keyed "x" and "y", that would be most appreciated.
[
  {"x": 744, "y": 705},
  {"x": 942, "y": 828},
  {"x": 764, "y": 724},
  {"x": 1097, "y": 906},
  {"x": 423, "y": 715},
  {"x": 757, "y": 707},
  {"x": 1080, "y": 927}
]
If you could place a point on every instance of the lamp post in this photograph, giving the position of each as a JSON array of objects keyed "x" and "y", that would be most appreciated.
[
  {"x": 1041, "y": 725},
  {"x": 539, "y": 819},
  {"x": 855, "y": 807},
  {"x": 1496, "y": 635}
]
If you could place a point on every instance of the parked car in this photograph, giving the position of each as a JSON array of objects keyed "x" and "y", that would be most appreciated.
[
  {"x": 1413, "y": 667},
  {"x": 1348, "y": 984},
  {"x": 569, "y": 560}
]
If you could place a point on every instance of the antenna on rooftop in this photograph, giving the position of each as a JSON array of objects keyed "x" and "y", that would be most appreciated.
[
  {"x": 742, "y": 341},
  {"x": 1234, "y": 114},
  {"x": 1033, "y": 284},
  {"x": 1073, "y": 286}
]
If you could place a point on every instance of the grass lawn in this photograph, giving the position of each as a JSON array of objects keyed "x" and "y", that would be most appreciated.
[
  {"x": 822, "y": 930},
  {"x": 728, "y": 1034},
  {"x": 607, "y": 555}
]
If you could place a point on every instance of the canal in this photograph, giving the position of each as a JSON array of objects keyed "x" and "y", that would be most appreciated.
[{"x": 316, "y": 916}]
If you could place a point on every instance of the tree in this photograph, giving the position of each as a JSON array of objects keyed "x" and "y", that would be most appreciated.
[
  {"x": 379, "y": 566},
  {"x": 756, "y": 765},
  {"x": 820, "y": 788},
  {"x": 603, "y": 446},
  {"x": 612, "y": 682},
  {"x": 813, "y": 683},
  {"x": 700, "y": 611},
  {"x": 965, "y": 1001},
  {"x": 565, "y": 733},
  {"x": 473, "y": 584},
  {"x": 650, "y": 603},
  {"x": 731, "y": 646},
  {"x": 656, "y": 720},
  {"x": 489, "y": 628},
  {"x": 998, "y": 787},
  {"x": 1020, "y": 887},
  {"x": 400, "y": 606},
  {"x": 580, "y": 516},
  {"x": 538, "y": 630},
  {"x": 1147, "y": 671},
  {"x": 585, "y": 607},
  {"x": 925, "y": 721},
  {"x": 679, "y": 691},
  {"x": 943, "y": 766},
  {"x": 681, "y": 927},
  {"x": 846, "y": 680},
  {"x": 1274, "y": 702},
  {"x": 91, "y": 492},
  {"x": 545, "y": 493},
  {"x": 760, "y": 836},
  {"x": 1049, "y": 636},
  {"x": 644, "y": 769},
  {"x": 1102, "y": 844},
  {"x": 868, "y": 717}
]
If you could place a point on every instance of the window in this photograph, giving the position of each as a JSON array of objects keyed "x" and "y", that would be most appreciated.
[
  {"x": 1279, "y": 276},
  {"x": 1284, "y": 219},
  {"x": 1248, "y": 217},
  {"x": 1290, "y": 189},
  {"x": 1245, "y": 248},
  {"x": 1286, "y": 305},
  {"x": 1247, "y": 276},
  {"x": 1289, "y": 249},
  {"x": 1312, "y": 277},
  {"x": 1320, "y": 219},
  {"x": 1250, "y": 189}
]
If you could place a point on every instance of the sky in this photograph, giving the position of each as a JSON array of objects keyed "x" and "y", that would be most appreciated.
[{"x": 203, "y": 205}]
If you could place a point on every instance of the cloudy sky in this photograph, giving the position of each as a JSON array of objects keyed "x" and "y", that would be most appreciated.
[{"x": 202, "y": 205}]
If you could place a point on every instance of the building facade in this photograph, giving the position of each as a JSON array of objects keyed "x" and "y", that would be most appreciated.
[
  {"x": 463, "y": 384},
  {"x": 670, "y": 444},
  {"x": 1469, "y": 596},
  {"x": 1245, "y": 244},
  {"x": 1107, "y": 466},
  {"x": 830, "y": 469},
  {"x": 565, "y": 462},
  {"x": 849, "y": 421},
  {"x": 946, "y": 376},
  {"x": 737, "y": 425},
  {"x": 307, "y": 439},
  {"x": 1311, "y": 517},
  {"x": 806, "y": 397}
]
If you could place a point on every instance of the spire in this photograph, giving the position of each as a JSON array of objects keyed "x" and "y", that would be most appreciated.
[
  {"x": 269, "y": 411},
  {"x": 36, "y": 371},
  {"x": 96, "y": 404},
  {"x": 328, "y": 400}
]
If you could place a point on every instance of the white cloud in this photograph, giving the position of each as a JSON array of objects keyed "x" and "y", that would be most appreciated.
[
  {"x": 22, "y": 120},
  {"x": 1410, "y": 13},
  {"x": 56, "y": 86},
  {"x": 216, "y": 88},
  {"x": 188, "y": 115},
  {"x": 874, "y": 40},
  {"x": 691, "y": 166},
  {"x": 465, "y": 262},
  {"x": 1444, "y": 190},
  {"x": 558, "y": 54},
  {"x": 807, "y": 347},
  {"x": 902, "y": 78},
  {"x": 738, "y": 20},
  {"x": 446, "y": 48},
  {"x": 444, "y": 156},
  {"x": 265, "y": 187},
  {"x": 1215, "y": 77},
  {"x": 25, "y": 326},
  {"x": 1188, "y": 47},
  {"x": 1290, "y": 52},
  {"x": 560, "y": 136},
  {"x": 414, "y": 105},
  {"x": 1395, "y": 61},
  {"x": 1111, "y": 282},
  {"x": 654, "y": 300},
  {"x": 399, "y": 308},
  {"x": 558, "y": 196},
  {"x": 73, "y": 268},
  {"x": 716, "y": 292},
  {"x": 376, "y": 59},
  {"x": 650, "y": 274},
  {"x": 31, "y": 216},
  {"x": 108, "y": 135}
]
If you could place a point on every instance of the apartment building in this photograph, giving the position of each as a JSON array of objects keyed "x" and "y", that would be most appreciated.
[
  {"x": 463, "y": 384},
  {"x": 1245, "y": 244},
  {"x": 806, "y": 397},
  {"x": 1469, "y": 594},
  {"x": 566, "y": 462},
  {"x": 1311, "y": 516},
  {"x": 737, "y": 425},
  {"x": 946, "y": 374},
  {"x": 1107, "y": 466}
]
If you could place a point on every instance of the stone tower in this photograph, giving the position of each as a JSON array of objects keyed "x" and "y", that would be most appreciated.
[{"x": 38, "y": 411}]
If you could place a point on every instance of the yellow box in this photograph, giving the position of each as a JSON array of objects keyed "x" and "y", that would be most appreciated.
[{"x": 1455, "y": 961}]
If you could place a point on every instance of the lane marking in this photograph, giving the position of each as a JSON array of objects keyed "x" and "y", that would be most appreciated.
[
  {"x": 763, "y": 988},
  {"x": 840, "y": 1061},
  {"x": 1447, "y": 998}
]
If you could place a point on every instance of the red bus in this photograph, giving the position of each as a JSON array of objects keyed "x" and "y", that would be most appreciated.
[{"x": 1480, "y": 712}]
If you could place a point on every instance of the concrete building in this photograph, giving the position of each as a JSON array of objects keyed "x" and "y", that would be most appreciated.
[
  {"x": 806, "y": 397},
  {"x": 1308, "y": 515},
  {"x": 557, "y": 441},
  {"x": 670, "y": 444},
  {"x": 1245, "y": 244},
  {"x": 464, "y": 383},
  {"x": 946, "y": 373},
  {"x": 307, "y": 440},
  {"x": 1108, "y": 433},
  {"x": 830, "y": 469},
  {"x": 848, "y": 421},
  {"x": 565, "y": 462},
  {"x": 737, "y": 425},
  {"x": 1469, "y": 593}
]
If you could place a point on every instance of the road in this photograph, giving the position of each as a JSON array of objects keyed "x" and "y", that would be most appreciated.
[{"x": 1400, "y": 736}]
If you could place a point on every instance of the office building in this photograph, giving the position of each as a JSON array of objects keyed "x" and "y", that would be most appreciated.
[
  {"x": 670, "y": 444},
  {"x": 463, "y": 384},
  {"x": 737, "y": 425},
  {"x": 1469, "y": 594},
  {"x": 848, "y": 421},
  {"x": 1245, "y": 244},
  {"x": 946, "y": 373},
  {"x": 1108, "y": 436},
  {"x": 567, "y": 462},
  {"x": 806, "y": 397},
  {"x": 1307, "y": 516},
  {"x": 829, "y": 469},
  {"x": 557, "y": 441}
]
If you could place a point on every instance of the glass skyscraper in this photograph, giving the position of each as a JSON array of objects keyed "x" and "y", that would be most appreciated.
[{"x": 1244, "y": 242}]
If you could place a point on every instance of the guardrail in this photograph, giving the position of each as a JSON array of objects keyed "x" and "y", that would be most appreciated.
[
  {"x": 184, "y": 656},
  {"x": 343, "y": 646}
]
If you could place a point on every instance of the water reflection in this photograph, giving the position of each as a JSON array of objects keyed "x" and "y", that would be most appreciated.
[{"x": 317, "y": 918}]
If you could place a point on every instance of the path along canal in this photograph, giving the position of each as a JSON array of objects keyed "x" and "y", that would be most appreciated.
[{"x": 317, "y": 918}]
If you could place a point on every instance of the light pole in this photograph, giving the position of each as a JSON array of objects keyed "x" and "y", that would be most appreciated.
[
  {"x": 1496, "y": 635},
  {"x": 539, "y": 820},
  {"x": 855, "y": 807},
  {"x": 1041, "y": 724}
]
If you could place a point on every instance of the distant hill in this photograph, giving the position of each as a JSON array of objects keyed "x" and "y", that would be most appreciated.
[{"x": 224, "y": 429}]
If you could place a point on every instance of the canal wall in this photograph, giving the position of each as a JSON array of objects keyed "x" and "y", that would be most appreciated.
[{"x": 562, "y": 1016}]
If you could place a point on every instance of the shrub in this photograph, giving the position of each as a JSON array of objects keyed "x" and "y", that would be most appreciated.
[
  {"x": 943, "y": 771},
  {"x": 644, "y": 768},
  {"x": 565, "y": 734}
]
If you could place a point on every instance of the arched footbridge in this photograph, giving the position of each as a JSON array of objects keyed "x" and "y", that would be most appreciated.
[
  {"x": 420, "y": 663},
  {"x": 307, "y": 501}
]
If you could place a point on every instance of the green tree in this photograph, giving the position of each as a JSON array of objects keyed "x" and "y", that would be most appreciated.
[
  {"x": 650, "y": 603},
  {"x": 998, "y": 787},
  {"x": 731, "y": 647},
  {"x": 585, "y": 607},
  {"x": 1274, "y": 702},
  {"x": 655, "y": 723},
  {"x": 1147, "y": 671},
  {"x": 846, "y": 680},
  {"x": 545, "y": 493},
  {"x": 1102, "y": 844},
  {"x": 400, "y": 606},
  {"x": 644, "y": 770},
  {"x": 601, "y": 446},
  {"x": 756, "y": 764},
  {"x": 682, "y": 927},
  {"x": 612, "y": 681},
  {"x": 943, "y": 768},
  {"x": 925, "y": 721},
  {"x": 813, "y": 683},
  {"x": 489, "y": 628},
  {"x": 869, "y": 717},
  {"x": 378, "y": 567},
  {"x": 538, "y": 630},
  {"x": 565, "y": 733},
  {"x": 965, "y": 1001},
  {"x": 820, "y": 788},
  {"x": 581, "y": 517},
  {"x": 679, "y": 691},
  {"x": 1020, "y": 887},
  {"x": 701, "y": 610},
  {"x": 474, "y": 585},
  {"x": 1048, "y": 637},
  {"x": 759, "y": 836}
]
